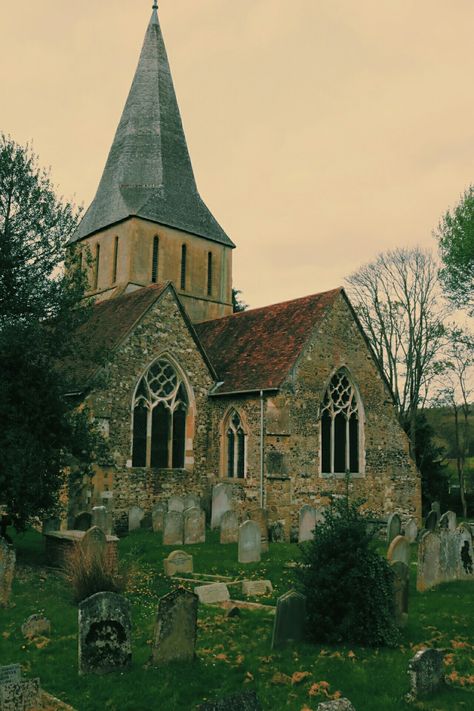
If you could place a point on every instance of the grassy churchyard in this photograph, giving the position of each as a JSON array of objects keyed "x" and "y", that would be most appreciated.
[{"x": 233, "y": 653}]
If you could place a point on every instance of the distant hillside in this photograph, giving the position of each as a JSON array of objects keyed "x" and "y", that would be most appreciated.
[{"x": 441, "y": 420}]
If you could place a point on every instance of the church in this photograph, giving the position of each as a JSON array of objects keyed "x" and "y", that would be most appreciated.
[{"x": 280, "y": 402}]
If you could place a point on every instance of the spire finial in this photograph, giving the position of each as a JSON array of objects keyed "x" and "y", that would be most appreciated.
[{"x": 155, "y": 4}]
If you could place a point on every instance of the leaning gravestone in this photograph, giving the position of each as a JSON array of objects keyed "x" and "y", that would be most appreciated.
[
  {"x": 94, "y": 541},
  {"x": 242, "y": 701},
  {"x": 229, "y": 527},
  {"x": 411, "y": 530},
  {"x": 194, "y": 526},
  {"x": 426, "y": 672},
  {"x": 336, "y": 705},
  {"x": 158, "y": 516},
  {"x": 431, "y": 521},
  {"x": 99, "y": 517},
  {"x": 290, "y": 619},
  {"x": 394, "y": 527},
  {"x": 221, "y": 502},
  {"x": 7, "y": 571},
  {"x": 261, "y": 518},
  {"x": 176, "y": 503},
  {"x": 448, "y": 521},
  {"x": 173, "y": 529},
  {"x": 399, "y": 549},
  {"x": 307, "y": 523},
  {"x": 175, "y": 628},
  {"x": 83, "y": 521},
  {"x": 191, "y": 501},
  {"x": 104, "y": 633},
  {"x": 178, "y": 562},
  {"x": 36, "y": 626},
  {"x": 250, "y": 542},
  {"x": 428, "y": 573},
  {"x": 213, "y": 593},
  {"x": 21, "y": 695},
  {"x": 401, "y": 581},
  {"x": 135, "y": 517}
]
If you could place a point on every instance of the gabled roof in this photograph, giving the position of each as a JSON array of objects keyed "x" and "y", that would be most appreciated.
[
  {"x": 148, "y": 173},
  {"x": 255, "y": 350}
]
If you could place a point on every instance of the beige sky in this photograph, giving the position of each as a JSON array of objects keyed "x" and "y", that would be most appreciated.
[{"x": 321, "y": 131}]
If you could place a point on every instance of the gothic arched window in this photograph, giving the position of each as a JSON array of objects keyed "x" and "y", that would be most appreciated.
[
  {"x": 235, "y": 446},
  {"x": 340, "y": 423},
  {"x": 160, "y": 407}
]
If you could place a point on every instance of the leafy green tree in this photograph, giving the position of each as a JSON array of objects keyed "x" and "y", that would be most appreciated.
[
  {"x": 455, "y": 235},
  {"x": 430, "y": 460},
  {"x": 41, "y": 288}
]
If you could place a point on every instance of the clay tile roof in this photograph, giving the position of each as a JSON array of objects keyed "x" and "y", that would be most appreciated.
[{"x": 256, "y": 349}]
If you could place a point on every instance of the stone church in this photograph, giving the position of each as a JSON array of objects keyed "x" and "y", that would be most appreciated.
[{"x": 280, "y": 402}]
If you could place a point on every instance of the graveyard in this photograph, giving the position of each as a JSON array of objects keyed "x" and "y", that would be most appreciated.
[{"x": 232, "y": 648}]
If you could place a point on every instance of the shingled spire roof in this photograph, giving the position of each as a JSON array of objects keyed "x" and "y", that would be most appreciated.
[{"x": 148, "y": 172}]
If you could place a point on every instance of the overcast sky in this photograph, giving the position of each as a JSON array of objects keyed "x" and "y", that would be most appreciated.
[{"x": 321, "y": 131}]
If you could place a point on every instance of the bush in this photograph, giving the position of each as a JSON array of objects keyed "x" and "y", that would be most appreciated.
[
  {"x": 348, "y": 585},
  {"x": 89, "y": 571}
]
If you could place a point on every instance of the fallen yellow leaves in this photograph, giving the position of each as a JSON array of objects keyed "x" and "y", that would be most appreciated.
[
  {"x": 298, "y": 677},
  {"x": 322, "y": 688}
]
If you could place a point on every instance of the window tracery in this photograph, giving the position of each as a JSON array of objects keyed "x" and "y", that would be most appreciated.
[
  {"x": 340, "y": 427},
  {"x": 236, "y": 443}
]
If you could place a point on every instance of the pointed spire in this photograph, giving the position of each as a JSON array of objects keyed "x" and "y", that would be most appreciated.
[{"x": 148, "y": 172}]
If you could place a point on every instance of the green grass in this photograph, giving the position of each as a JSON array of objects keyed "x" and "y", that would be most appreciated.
[{"x": 232, "y": 654}]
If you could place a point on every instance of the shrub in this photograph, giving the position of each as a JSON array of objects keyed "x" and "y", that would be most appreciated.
[
  {"x": 89, "y": 571},
  {"x": 348, "y": 585}
]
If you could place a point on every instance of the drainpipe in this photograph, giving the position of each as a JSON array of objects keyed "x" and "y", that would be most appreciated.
[{"x": 262, "y": 450}]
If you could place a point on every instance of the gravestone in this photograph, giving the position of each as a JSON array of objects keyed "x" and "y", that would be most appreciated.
[
  {"x": 50, "y": 524},
  {"x": 250, "y": 542},
  {"x": 221, "y": 502},
  {"x": 411, "y": 530},
  {"x": 465, "y": 556},
  {"x": 399, "y": 549},
  {"x": 7, "y": 571},
  {"x": 158, "y": 516},
  {"x": 213, "y": 593},
  {"x": 336, "y": 705},
  {"x": 261, "y": 518},
  {"x": 36, "y": 626},
  {"x": 256, "y": 587},
  {"x": 448, "y": 521},
  {"x": 428, "y": 573},
  {"x": 448, "y": 555},
  {"x": 229, "y": 527},
  {"x": 277, "y": 532},
  {"x": 431, "y": 521},
  {"x": 94, "y": 541},
  {"x": 307, "y": 523},
  {"x": 436, "y": 507},
  {"x": 135, "y": 517},
  {"x": 401, "y": 583},
  {"x": 10, "y": 672},
  {"x": 173, "y": 529},
  {"x": 194, "y": 526},
  {"x": 21, "y": 695},
  {"x": 191, "y": 501},
  {"x": 394, "y": 527},
  {"x": 175, "y": 628},
  {"x": 176, "y": 503},
  {"x": 178, "y": 562},
  {"x": 426, "y": 672},
  {"x": 99, "y": 518},
  {"x": 104, "y": 633},
  {"x": 290, "y": 619},
  {"x": 242, "y": 701},
  {"x": 83, "y": 521}
]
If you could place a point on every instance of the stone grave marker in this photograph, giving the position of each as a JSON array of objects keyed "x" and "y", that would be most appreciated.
[
  {"x": 178, "y": 562},
  {"x": 229, "y": 532},
  {"x": 10, "y": 672},
  {"x": 7, "y": 571},
  {"x": 277, "y": 532},
  {"x": 465, "y": 556},
  {"x": 99, "y": 518},
  {"x": 83, "y": 521},
  {"x": 213, "y": 593},
  {"x": 250, "y": 542},
  {"x": 394, "y": 527},
  {"x": 261, "y": 518},
  {"x": 104, "y": 633},
  {"x": 411, "y": 530},
  {"x": 242, "y": 701},
  {"x": 428, "y": 573},
  {"x": 399, "y": 549},
  {"x": 173, "y": 529},
  {"x": 431, "y": 521},
  {"x": 448, "y": 555},
  {"x": 290, "y": 619},
  {"x": 36, "y": 626},
  {"x": 175, "y": 628},
  {"x": 94, "y": 541},
  {"x": 335, "y": 705},
  {"x": 307, "y": 523},
  {"x": 191, "y": 501},
  {"x": 158, "y": 516},
  {"x": 135, "y": 517},
  {"x": 448, "y": 521},
  {"x": 401, "y": 584},
  {"x": 221, "y": 502},
  {"x": 176, "y": 503},
  {"x": 256, "y": 587},
  {"x": 21, "y": 695},
  {"x": 50, "y": 524},
  {"x": 436, "y": 507},
  {"x": 425, "y": 670},
  {"x": 194, "y": 526}
]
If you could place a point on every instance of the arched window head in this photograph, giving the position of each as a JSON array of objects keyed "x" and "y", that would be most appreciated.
[
  {"x": 340, "y": 427},
  {"x": 160, "y": 408},
  {"x": 235, "y": 446}
]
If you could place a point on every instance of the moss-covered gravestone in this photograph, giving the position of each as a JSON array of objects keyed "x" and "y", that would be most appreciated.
[
  {"x": 105, "y": 626},
  {"x": 290, "y": 619},
  {"x": 173, "y": 529},
  {"x": 425, "y": 670},
  {"x": 194, "y": 526},
  {"x": 175, "y": 628}
]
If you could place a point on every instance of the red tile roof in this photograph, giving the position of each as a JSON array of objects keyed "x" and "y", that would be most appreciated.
[{"x": 255, "y": 349}]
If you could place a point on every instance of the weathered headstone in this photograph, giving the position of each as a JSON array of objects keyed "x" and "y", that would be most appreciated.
[
  {"x": 465, "y": 555},
  {"x": 99, "y": 517},
  {"x": 260, "y": 517},
  {"x": 336, "y": 705},
  {"x": 50, "y": 524},
  {"x": 175, "y": 628},
  {"x": 83, "y": 521},
  {"x": 401, "y": 582},
  {"x": 135, "y": 517},
  {"x": 428, "y": 573},
  {"x": 250, "y": 542},
  {"x": 394, "y": 527},
  {"x": 431, "y": 521},
  {"x": 242, "y": 701},
  {"x": 94, "y": 541},
  {"x": 290, "y": 619},
  {"x": 448, "y": 555},
  {"x": 173, "y": 529},
  {"x": 36, "y": 626},
  {"x": 307, "y": 523},
  {"x": 411, "y": 530},
  {"x": 277, "y": 532},
  {"x": 229, "y": 532},
  {"x": 178, "y": 562},
  {"x": 399, "y": 549},
  {"x": 176, "y": 503},
  {"x": 104, "y": 633},
  {"x": 448, "y": 521},
  {"x": 436, "y": 507},
  {"x": 10, "y": 672},
  {"x": 425, "y": 670},
  {"x": 7, "y": 571},
  {"x": 221, "y": 502},
  {"x": 194, "y": 526},
  {"x": 21, "y": 695},
  {"x": 256, "y": 587},
  {"x": 213, "y": 593},
  {"x": 191, "y": 501},
  {"x": 158, "y": 516}
]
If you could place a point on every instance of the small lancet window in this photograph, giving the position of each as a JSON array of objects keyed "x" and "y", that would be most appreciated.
[
  {"x": 236, "y": 441},
  {"x": 154, "y": 263},
  {"x": 209, "y": 274},
  {"x": 115, "y": 262},
  {"x": 340, "y": 425},
  {"x": 160, "y": 409},
  {"x": 183, "y": 267},
  {"x": 96, "y": 266}
]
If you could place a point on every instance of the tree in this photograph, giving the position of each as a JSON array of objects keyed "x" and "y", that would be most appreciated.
[
  {"x": 238, "y": 304},
  {"x": 41, "y": 430},
  {"x": 430, "y": 460},
  {"x": 455, "y": 235},
  {"x": 398, "y": 302}
]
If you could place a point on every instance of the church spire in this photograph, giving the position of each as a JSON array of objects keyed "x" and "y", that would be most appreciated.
[{"x": 148, "y": 173}]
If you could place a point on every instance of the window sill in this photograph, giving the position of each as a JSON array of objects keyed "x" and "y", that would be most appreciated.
[{"x": 359, "y": 475}]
